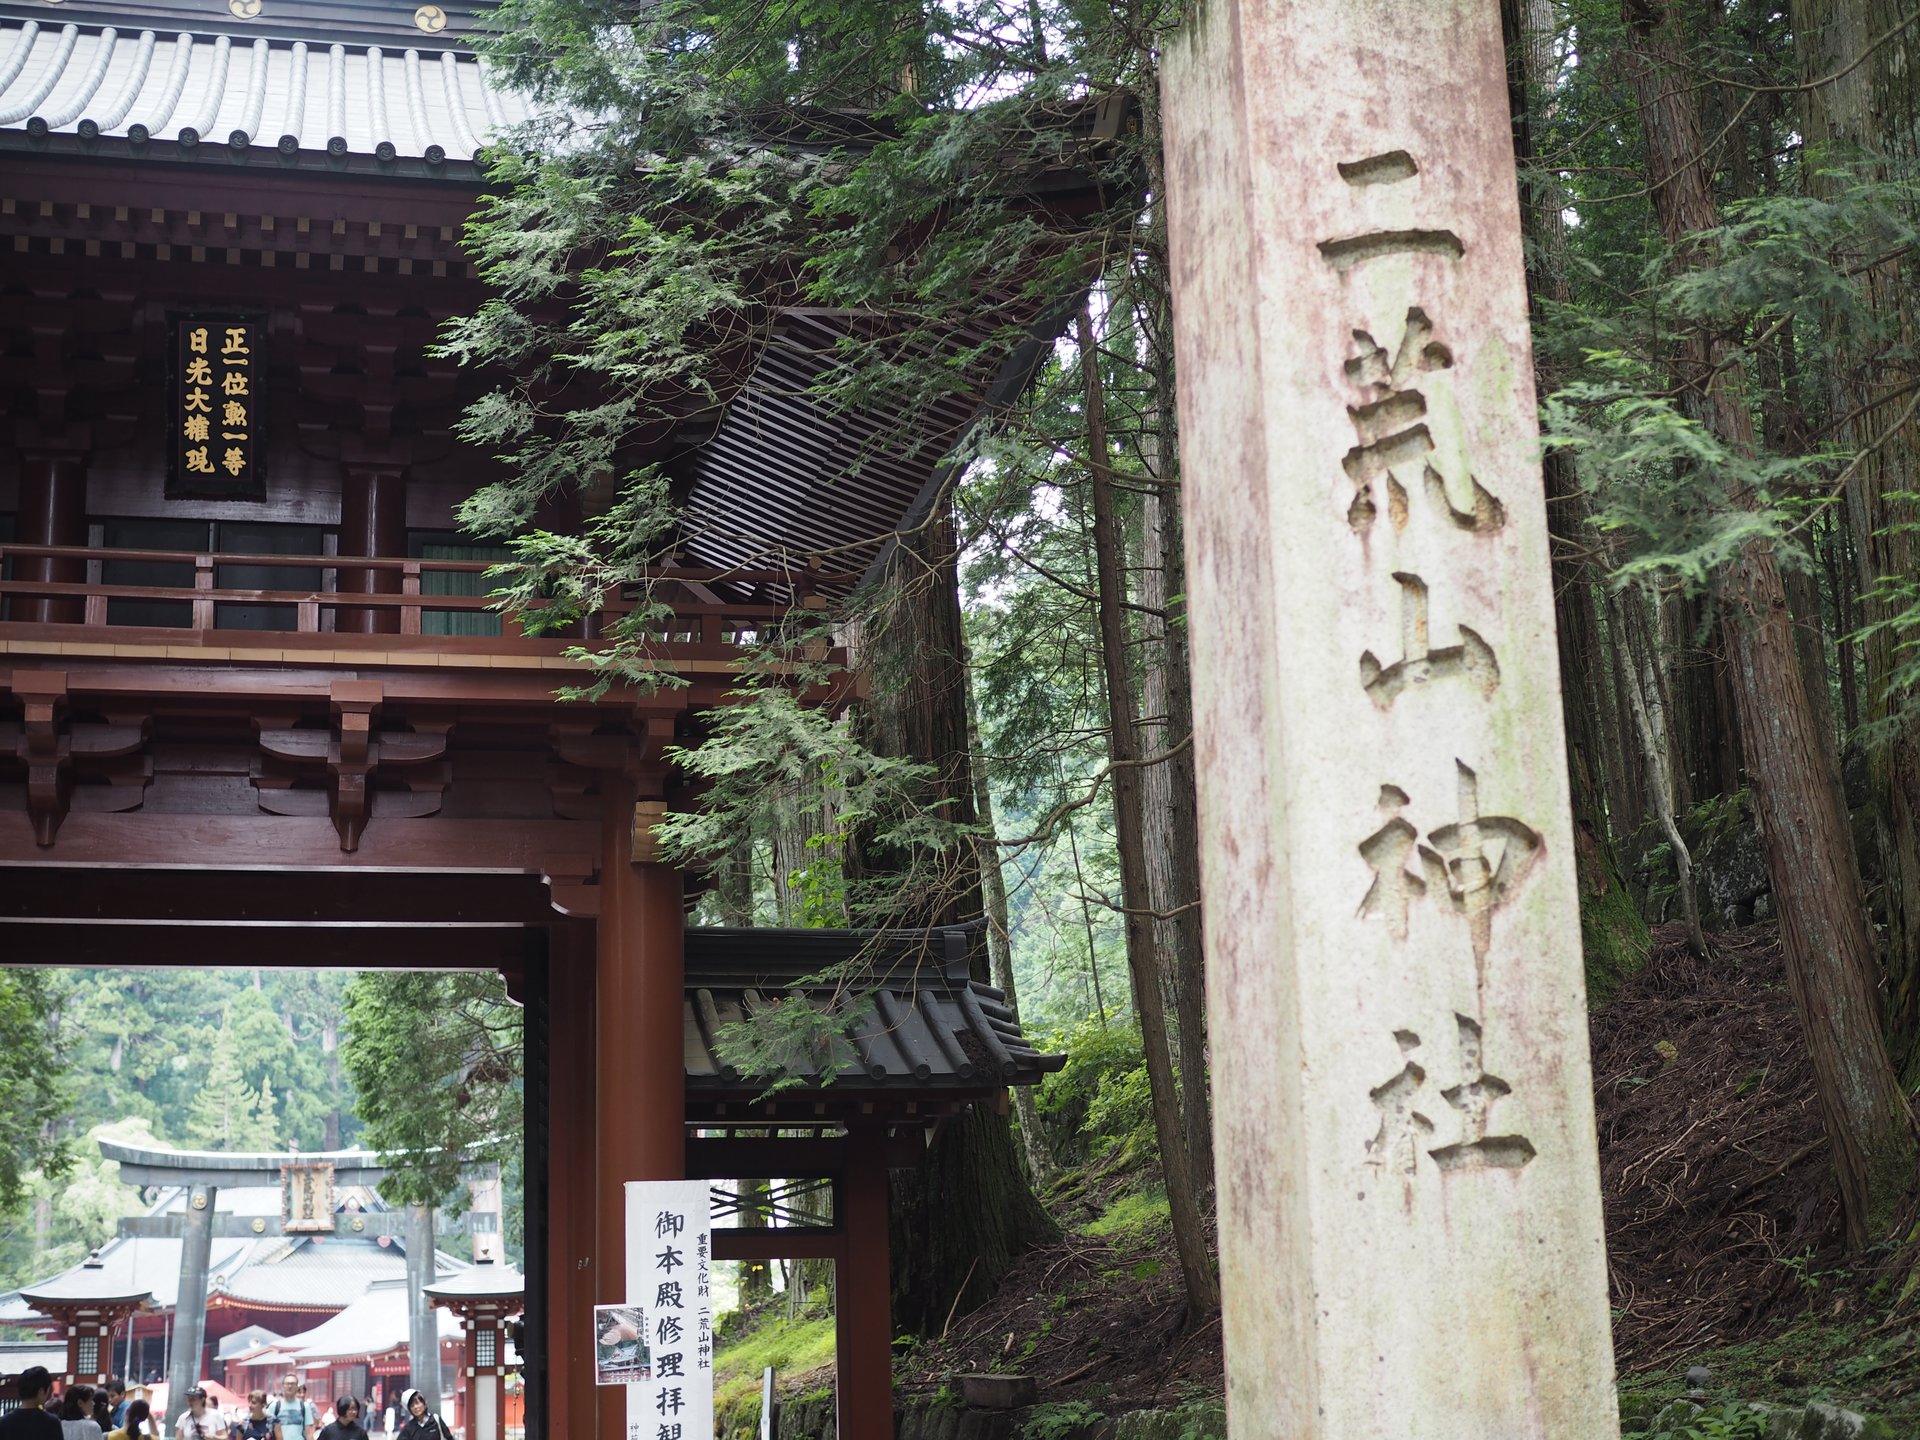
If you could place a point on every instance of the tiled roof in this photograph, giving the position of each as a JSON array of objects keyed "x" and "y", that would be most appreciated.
[
  {"x": 118, "y": 90},
  {"x": 920, "y": 1024},
  {"x": 375, "y": 1323},
  {"x": 272, "y": 1272}
]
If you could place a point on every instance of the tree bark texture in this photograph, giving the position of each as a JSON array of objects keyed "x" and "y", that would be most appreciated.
[
  {"x": 1872, "y": 103},
  {"x": 1614, "y": 938},
  {"x": 966, "y": 1214},
  {"x": 1804, "y": 831},
  {"x": 1173, "y": 795},
  {"x": 1172, "y": 825},
  {"x": 1033, "y": 1140},
  {"x": 1123, "y": 750}
]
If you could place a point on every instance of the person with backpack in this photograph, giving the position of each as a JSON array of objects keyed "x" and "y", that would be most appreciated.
[
  {"x": 256, "y": 1424},
  {"x": 294, "y": 1417},
  {"x": 422, "y": 1423}
]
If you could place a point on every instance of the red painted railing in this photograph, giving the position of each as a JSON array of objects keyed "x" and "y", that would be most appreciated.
[{"x": 703, "y": 624}]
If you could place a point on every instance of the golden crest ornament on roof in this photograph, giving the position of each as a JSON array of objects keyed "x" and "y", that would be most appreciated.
[
  {"x": 430, "y": 18},
  {"x": 244, "y": 9}
]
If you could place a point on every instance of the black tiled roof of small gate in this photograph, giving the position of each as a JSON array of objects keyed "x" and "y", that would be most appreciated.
[{"x": 918, "y": 1020}]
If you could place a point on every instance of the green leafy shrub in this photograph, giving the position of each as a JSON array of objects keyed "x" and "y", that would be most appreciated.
[
  {"x": 1100, "y": 1098},
  {"x": 1060, "y": 1420},
  {"x": 1732, "y": 1421}
]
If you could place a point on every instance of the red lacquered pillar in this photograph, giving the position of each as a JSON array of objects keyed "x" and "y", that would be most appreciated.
[{"x": 639, "y": 980}]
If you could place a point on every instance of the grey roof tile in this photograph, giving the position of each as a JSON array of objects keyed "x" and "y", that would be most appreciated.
[{"x": 192, "y": 87}]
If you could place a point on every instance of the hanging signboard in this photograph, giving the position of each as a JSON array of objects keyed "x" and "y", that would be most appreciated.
[
  {"x": 306, "y": 1198},
  {"x": 218, "y": 380},
  {"x": 670, "y": 1281}
]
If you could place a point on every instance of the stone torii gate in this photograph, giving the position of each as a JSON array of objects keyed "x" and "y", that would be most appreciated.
[
  {"x": 1410, "y": 1222},
  {"x": 307, "y": 1180}
]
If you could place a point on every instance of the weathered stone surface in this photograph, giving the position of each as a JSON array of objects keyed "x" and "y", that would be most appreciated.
[
  {"x": 1409, "y": 1195},
  {"x": 998, "y": 1392}
]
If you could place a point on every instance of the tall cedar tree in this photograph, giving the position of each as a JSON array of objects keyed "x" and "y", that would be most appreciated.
[
  {"x": 1803, "y": 825},
  {"x": 1614, "y": 938},
  {"x": 965, "y": 1214},
  {"x": 1859, "y": 63}
]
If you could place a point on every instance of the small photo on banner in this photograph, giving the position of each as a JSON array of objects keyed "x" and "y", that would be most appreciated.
[
  {"x": 621, "y": 1354},
  {"x": 670, "y": 1279}
]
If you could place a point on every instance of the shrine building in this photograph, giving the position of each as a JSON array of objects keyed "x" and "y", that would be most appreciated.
[{"x": 256, "y": 707}]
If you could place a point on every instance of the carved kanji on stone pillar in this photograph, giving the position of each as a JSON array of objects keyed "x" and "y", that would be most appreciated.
[
  {"x": 53, "y": 749},
  {"x": 348, "y": 755}
]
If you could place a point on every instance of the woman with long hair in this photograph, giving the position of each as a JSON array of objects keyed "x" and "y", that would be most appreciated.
[
  {"x": 76, "y": 1414},
  {"x": 421, "y": 1423},
  {"x": 138, "y": 1423}
]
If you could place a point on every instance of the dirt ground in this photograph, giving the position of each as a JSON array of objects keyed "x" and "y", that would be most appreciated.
[{"x": 1722, "y": 1216}]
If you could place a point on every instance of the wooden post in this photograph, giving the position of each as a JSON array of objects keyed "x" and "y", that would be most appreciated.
[
  {"x": 373, "y": 521},
  {"x": 638, "y": 1060},
  {"x": 1410, "y": 1222},
  {"x": 53, "y": 511},
  {"x": 863, "y": 1292},
  {"x": 572, "y": 1122}
]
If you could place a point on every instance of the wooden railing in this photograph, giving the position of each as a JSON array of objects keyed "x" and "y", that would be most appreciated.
[{"x": 706, "y": 625}]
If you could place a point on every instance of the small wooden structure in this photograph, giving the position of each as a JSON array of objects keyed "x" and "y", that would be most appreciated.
[
  {"x": 88, "y": 1307},
  {"x": 485, "y": 1298}
]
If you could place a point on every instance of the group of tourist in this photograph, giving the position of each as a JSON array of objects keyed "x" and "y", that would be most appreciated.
[{"x": 86, "y": 1412}]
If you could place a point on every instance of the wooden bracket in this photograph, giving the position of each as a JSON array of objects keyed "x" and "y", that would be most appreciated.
[
  {"x": 349, "y": 756},
  {"x": 51, "y": 752}
]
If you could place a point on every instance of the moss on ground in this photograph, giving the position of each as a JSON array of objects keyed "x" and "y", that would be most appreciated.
[
  {"x": 792, "y": 1347},
  {"x": 1855, "y": 1363},
  {"x": 1133, "y": 1214}
]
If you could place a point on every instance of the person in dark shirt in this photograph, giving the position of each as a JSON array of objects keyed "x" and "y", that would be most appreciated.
[
  {"x": 257, "y": 1425},
  {"x": 31, "y": 1421},
  {"x": 346, "y": 1421},
  {"x": 422, "y": 1423}
]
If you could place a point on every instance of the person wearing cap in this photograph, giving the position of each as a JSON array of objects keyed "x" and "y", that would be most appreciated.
[
  {"x": 199, "y": 1423},
  {"x": 31, "y": 1421},
  {"x": 422, "y": 1423}
]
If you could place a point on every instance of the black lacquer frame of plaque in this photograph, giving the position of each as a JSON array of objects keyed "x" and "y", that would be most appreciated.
[{"x": 216, "y": 406}]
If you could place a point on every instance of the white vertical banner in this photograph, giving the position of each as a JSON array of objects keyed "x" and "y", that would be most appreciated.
[{"x": 670, "y": 1278}]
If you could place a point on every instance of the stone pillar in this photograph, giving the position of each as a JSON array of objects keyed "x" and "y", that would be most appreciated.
[
  {"x": 190, "y": 1309},
  {"x": 640, "y": 1120},
  {"x": 53, "y": 511},
  {"x": 423, "y": 1326},
  {"x": 863, "y": 1293},
  {"x": 373, "y": 521},
  {"x": 1410, "y": 1222}
]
